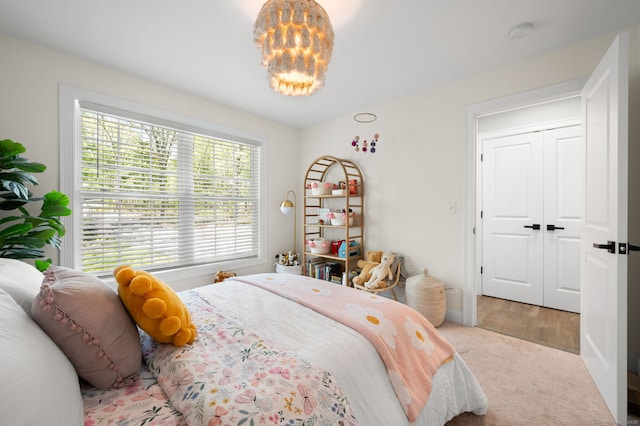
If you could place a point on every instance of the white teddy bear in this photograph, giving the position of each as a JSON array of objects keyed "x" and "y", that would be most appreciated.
[{"x": 381, "y": 271}]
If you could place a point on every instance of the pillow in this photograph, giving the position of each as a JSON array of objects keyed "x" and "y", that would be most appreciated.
[
  {"x": 39, "y": 384},
  {"x": 21, "y": 280},
  {"x": 155, "y": 307},
  {"x": 87, "y": 320}
]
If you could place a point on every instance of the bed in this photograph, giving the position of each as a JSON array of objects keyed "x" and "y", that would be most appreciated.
[{"x": 264, "y": 355}]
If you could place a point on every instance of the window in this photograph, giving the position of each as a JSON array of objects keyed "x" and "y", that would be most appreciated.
[{"x": 159, "y": 194}]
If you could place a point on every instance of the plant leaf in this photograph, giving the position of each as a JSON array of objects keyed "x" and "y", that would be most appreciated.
[
  {"x": 9, "y": 148},
  {"x": 19, "y": 176},
  {"x": 12, "y": 204},
  {"x": 42, "y": 265},
  {"x": 25, "y": 241},
  {"x": 25, "y": 165},
  {"x": 9, "y": 219},
  {"x": 21, "y": 253},
  {"x": 57, "y": 225},
  {"x": 43, "y": 234},
  {"x": 19, "y": 229},
  {"x": 17, "y": 188},
  {"x": 55, "y": 241},
  {"x": 13, "y": 196},
  {"x": 55, "y": 205}
]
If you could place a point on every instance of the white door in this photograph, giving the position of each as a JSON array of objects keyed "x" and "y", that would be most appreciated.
[
  {"x": 512, "y": 194},
  {"x": 531, "y": 217},
  {"x": 603, "y": 321},
  {"x": 563, "y": 171}
]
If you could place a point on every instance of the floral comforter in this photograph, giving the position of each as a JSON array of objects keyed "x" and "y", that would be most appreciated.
[
  {"x": 230, "y": 375},
  {"x": 141, "y": 403},
  {"x": 407, "y": 343}
]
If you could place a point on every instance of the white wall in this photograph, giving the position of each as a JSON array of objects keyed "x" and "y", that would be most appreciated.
[
  {"x": 417, "y": 171},
  {"x": 29, "y": 85}
]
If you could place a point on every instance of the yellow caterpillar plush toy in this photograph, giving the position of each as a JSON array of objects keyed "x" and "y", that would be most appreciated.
[{"x": 155, "y": 307}]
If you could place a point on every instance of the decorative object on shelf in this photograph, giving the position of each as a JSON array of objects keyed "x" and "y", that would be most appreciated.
[
  {"x": 427, "y": 295},
  {"x": 319, "y": 246},
  {"x": 354, "y": 250},
  {"x": 288, "y": 207},
  {"x": 335, "y": 247},
  {"x": 296, "y": 39},
  {"x": 353, "y": 186},
  {"x": 321, "y": 188},
  {"x": 339, "y": 218},
  {"x": 370, "y": 146}
]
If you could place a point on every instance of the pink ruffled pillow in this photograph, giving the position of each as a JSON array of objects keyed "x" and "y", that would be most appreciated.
[{"x": 87, "y": 320}]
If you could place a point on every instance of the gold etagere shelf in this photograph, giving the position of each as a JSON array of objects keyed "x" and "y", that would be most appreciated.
[{"x": 351, "y": 199}]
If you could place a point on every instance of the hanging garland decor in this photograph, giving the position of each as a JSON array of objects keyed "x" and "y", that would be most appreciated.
[{"x": 366, "y": 146}]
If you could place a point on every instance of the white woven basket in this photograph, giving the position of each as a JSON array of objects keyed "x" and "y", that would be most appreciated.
[
  {"x": 427, "y": 295},
  {"x": 284, "y": 269}
]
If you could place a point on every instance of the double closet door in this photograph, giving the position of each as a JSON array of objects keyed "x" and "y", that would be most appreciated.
[{"x": 531, "y": 208}]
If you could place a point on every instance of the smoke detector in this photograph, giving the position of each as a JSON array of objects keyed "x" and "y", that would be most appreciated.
[{"x": 521, "y": 31}]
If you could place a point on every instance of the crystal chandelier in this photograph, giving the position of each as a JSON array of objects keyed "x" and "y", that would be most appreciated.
[{"x": 296, "y": 38}]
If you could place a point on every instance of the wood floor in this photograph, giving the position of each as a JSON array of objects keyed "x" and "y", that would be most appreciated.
[{"x": 548, "y": 327}]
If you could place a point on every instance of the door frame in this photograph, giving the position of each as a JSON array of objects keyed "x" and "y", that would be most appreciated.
[{"x": 473, "y": 183}]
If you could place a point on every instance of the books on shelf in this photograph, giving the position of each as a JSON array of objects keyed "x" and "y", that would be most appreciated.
[{"x": 319, "y": 268}]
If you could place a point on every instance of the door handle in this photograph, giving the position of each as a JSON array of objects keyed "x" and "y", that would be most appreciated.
[
  {"x": 610, "y": 246},
  {"x": 534, "y": 226},
  {"x": 553, "y": 227},
  {"x": 627, "y": 248}
]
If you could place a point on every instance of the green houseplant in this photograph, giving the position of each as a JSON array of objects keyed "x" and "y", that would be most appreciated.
[{"x": 24, "y": 235}]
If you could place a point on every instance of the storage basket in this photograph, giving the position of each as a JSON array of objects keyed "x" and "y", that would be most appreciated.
[
  {"x": 339, "y": 220},
  {"x": 319, "y": 246},
  {"x": 285, "y": 269},
  {"x": 427, "y": 295},
  {"x": 322, "y": 188}
]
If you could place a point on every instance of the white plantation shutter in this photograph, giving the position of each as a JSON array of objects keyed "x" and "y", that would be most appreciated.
[{"x": 158, "y": 195}]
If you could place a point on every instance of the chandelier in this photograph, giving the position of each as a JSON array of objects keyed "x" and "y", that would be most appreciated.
[{"x": 296, "y": 38}]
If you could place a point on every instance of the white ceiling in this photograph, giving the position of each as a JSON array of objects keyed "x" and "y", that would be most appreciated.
[{"x": 383, "y": 49}]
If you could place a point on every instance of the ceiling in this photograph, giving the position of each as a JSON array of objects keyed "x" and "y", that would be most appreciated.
[{"x": 383, "y": 49}]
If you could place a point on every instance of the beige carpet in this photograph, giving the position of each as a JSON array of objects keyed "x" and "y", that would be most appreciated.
[{"x": 527, "y": 384}]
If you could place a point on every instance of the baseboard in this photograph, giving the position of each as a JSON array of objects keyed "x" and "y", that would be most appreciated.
[{"x": 453, "y": 316}]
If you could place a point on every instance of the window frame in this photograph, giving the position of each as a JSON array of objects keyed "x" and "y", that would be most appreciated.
[{"x": 70, "y": 167}]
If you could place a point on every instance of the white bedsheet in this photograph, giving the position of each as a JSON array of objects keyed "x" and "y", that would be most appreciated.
[{"x": 347, "y": 355}]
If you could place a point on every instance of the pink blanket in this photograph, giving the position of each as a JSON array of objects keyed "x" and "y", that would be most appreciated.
[{"x": 408, "y": 344}]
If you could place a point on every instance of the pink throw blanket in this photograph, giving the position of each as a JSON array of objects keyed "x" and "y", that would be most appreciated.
[{"x": 409, "y": 345}]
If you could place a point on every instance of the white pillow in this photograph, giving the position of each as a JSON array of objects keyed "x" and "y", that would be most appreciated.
[
  {"x": 21, "y": 280},
  {"x": 39, "y": 384}
]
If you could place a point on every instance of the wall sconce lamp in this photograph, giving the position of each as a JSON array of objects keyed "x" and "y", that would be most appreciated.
[{"x": 288, "y": 207}]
